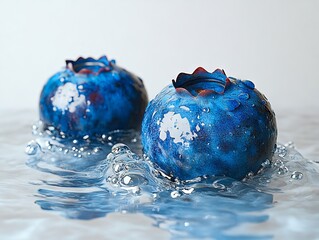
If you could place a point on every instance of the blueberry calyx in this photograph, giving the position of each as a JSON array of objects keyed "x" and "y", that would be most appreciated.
[
  {"x": 201, "y": 81},
  {"x": 90, "y": 65}
]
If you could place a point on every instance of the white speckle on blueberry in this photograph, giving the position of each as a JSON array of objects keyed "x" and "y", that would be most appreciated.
[
  {"x": 178, "y": 128},
  {"x": 67, "y": 97}
]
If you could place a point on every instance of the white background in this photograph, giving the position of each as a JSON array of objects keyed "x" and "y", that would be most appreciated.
[{"x": 273, "y": 43}]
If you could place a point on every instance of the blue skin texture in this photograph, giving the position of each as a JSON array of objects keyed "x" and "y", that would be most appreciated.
[
  {"x": 92, "y": 97},
  {"x": 208, "y": 124}
]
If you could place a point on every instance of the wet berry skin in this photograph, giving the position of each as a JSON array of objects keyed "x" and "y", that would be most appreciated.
[
  {"x": 208, "y": 124},
  {"x": 92, "y": 97}
]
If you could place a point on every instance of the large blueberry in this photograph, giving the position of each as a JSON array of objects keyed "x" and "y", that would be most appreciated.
[
  {"x": 208, "y": 124},
  {"x": 92, "y": 97}
]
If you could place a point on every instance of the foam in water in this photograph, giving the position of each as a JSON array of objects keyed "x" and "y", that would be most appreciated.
[{"x": 87, "y": 179}]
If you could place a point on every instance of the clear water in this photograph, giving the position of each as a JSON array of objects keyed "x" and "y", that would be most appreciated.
[{"x": 82, "y": 189}]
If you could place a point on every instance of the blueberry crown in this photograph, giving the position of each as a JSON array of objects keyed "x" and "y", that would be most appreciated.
[
  {"x": 90, "y": 65},
  {"x": 201, "y": 81}
]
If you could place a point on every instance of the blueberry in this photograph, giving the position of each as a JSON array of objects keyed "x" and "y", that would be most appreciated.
[
  {"x": 92, "y": 97},
  {"x": 208, "y": 124}
]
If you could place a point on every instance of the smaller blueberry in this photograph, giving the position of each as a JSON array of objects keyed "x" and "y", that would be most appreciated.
[{"x": 92, "y": 97}]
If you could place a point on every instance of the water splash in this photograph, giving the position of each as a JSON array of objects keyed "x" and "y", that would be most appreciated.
[{"x": 86, "y": 179}]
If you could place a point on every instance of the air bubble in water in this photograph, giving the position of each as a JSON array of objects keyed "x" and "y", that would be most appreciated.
[
  {"x": 32, "y": 148},
  {"x": 281, "y": 151},
  {"x": 175, "y": 194},
  {"x": 296, "y": 175},
  {"x": 48, "y": 145},
  {"x": 278, "y": 163},
  {"x": 133, "y": 180},
  {"x": 265, "y": 164},
  {"x": 114, "y": 180},
  {"x": 126, "y": 180},
  {"x": 282, "y": 170},
  {"x": 118, "y": 167},
  {"x": 97, "y": 150},
  {"x": 120, "y": 148}
]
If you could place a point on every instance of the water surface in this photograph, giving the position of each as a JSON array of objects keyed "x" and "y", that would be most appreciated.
[{"x": 82, "y": 190}]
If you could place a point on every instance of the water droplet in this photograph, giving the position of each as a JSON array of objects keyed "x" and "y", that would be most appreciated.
[
  {"x": 278, "y": 163},
  {"x": 206, "y": 110},
  {"x": 244, "y": 96},
  {"x": 97, "y": 150},
  {"x": 296, "y": 175},
  {"x": 49, "y": 145},
  {"x": 266, "y": 163},
  {"x": 250, "y": 175},
  {"x": 282, "y": 154},
  {"x": 120, "y": 148},
  {"x": 51, "y": 128},
  {"x": 282, "y": 170},
  {"x": 185, "y": 108},
  {"x": 133, "y": 180},
  {"x": 249, "y": 84},
  {"x": 175, "y": 194},
  {"x": 118, "y": 167},
  {"x": 32, "y": 148},
  {"x": 290, "y": 144},
  {"x": 188, "y": 190},
  {"x": 74, "y": 149},
  {"x": 103, "y": 136},
  {"x": 126, "y": 180},
  {"x": 86, "y": 137},
  {"x": 231, "y": 104},
  {"x": 281, "y": 151},
  {"x": 114, "y": 180}
]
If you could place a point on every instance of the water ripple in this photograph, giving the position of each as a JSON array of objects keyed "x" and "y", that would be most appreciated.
[{"x": 109, "y": 177}]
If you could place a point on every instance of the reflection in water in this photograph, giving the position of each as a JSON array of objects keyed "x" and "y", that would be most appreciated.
[{"x": 109, "y": 178}]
